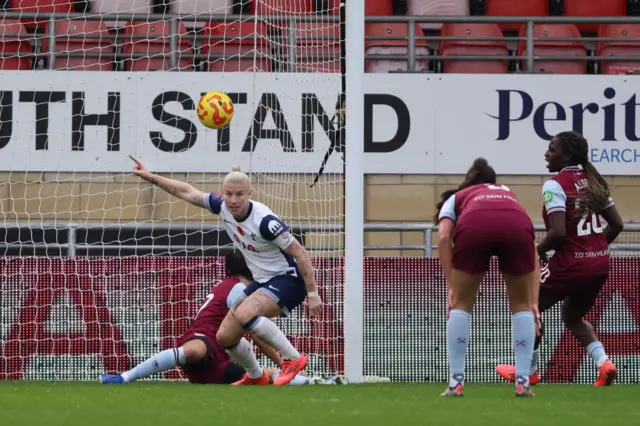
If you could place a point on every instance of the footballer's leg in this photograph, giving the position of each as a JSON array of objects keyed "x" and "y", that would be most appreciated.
[
  {"x": 575, "y": 307},
  {"x": 279, "y": 295},
  {"x": 191, "y": 352},
  {"x": 229, "y": 336},
  {"x": 548, "y": 298},
  {"x": 524, "y": 328},
  {"x": 464, "y": 288}
]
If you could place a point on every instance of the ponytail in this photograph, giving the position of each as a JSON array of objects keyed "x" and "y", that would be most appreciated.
[
  {"x": 480, "y": 172},
  {"x": 596, "y": 197}
]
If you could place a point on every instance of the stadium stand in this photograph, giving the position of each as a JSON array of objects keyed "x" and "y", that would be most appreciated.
[
  {"x": 371, "y": 7},
  {"x": 542, "y": 47},
  {"x": 151, "y": 39},
  {"x": 594, "y": 8},
  {"x": 468, "y": 47},
  {"x": 278, "y": 7},
  {"x": 195, "y": 7},
  {"x": 317, "y": 48},
  {"x": 437, "y": 8},
  {"x": 89, "y": 38},
  {"x": 392, "y": 47},
  {"x": 237, "y": 46},
  {"x": 619, "y": 47},
  {"x": 516, "y": 8},
  {"x": 15, "y": 49},
  {"x": 120, "y": 6}
]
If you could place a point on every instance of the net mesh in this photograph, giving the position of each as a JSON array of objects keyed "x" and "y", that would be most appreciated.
[{"x": 101, "y": 270}]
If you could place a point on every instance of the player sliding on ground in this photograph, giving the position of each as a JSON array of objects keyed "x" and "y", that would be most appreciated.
[
  {"x": 198, "y": 355},
  {"x": 476, "y": 221},
  {"x": 281, "y": 268},
  {"x": 574, "y": 200}
]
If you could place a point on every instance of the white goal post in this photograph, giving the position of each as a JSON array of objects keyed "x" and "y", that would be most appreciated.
[{"x": 354, "y": 193}]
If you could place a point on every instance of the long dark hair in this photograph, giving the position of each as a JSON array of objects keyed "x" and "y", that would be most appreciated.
[
  {"x": 235, "y": 264},
  {"x": 480, "y": 172},
  {"x": 596, "y": 197}
]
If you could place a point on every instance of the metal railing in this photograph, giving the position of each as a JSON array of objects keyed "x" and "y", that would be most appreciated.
[
  {"x": 290, "y": 35},
  {"x": 71, "y": 246}
]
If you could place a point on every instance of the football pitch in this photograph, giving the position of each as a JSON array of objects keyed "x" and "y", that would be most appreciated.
[{"x": 177, "y": 403}]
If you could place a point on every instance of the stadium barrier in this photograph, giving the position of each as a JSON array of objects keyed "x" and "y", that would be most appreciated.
[
  {"x": 23, "y": 239},
  {"x": 290, "y": 35},
  {"x": 72, "y": 318}
]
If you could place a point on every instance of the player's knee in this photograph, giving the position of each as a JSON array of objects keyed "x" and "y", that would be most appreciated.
[
  {"x": 569, "y": 318},
  {"x": 225, "y": 339},
  {"x": 243, "y": 314},
  {"x": 194, "y": 351}
]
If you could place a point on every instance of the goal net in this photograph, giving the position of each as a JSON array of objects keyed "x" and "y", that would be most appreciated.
[{"x": 101, "y": 270}]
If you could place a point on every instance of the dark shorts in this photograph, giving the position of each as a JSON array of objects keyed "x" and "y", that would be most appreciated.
[
  {"x": 507, "y": 234},
  {"x": 579, "y": 293},
  {"x": 216, "y": 368},
  {"x": 287, "y": 291}
]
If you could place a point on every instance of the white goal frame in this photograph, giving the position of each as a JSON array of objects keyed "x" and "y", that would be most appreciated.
[{"x": 354, "y": 194}]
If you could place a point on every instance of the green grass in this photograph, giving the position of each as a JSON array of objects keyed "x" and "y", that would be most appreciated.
[{"x": 173, "y": 404}]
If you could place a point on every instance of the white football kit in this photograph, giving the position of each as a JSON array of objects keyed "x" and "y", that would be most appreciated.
[{"x": 261, "y": 237}]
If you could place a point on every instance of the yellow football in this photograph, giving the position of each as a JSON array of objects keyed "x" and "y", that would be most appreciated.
[{"x": 215, "y": 110}]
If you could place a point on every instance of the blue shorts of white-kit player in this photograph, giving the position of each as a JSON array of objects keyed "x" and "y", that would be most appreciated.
[
  {"x": 287, "y": 291},
  {"x": 263, "y": 238}
]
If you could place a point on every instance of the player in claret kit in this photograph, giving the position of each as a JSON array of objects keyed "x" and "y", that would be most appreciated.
[
  {"x": 197, "y": 354},
  {"x": 281, "y": 267},
  {"x": 574, "y": 199},
  {"x": 478, "y": 220}
]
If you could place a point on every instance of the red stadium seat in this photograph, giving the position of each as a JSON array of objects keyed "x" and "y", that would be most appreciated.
[
  {"x": 153, "y": 40},
  {"x": 197, "y": 7},
  {"x": 120, "y": 6},
  {"x": 437, "y": 8},
  {"x": 95, "y": 40},
  {"x": 555, "y": 48},
  {"x": 41, "y": 6},
  {"x": 596, "y": 8},
  {"x": 371, "y": 7},
  {"x": 318, "y": 47},
  {"x": 15, "y": 50},
  {"x": 392, "y": 47},
  {"x": 619, "y": 47},
  {"x": 473, "y": 48},
  {"x": 278, "y": 7},
  {"x": 240, "y": 42},
  {"x": 516, "y": 8}
]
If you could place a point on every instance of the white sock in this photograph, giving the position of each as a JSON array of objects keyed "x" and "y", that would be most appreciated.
[
  {"x": 534, "y": 362},
  {"x": 524, "y": 335},
  {"x": 243, "y": 354},
  {"x": 457, "y": 344},
  {"x": 297, "y": 381},
  {"x": 268, "y": 331},
  {"x": 597, "y": 353},
  {"x": 162, "y": 361}
]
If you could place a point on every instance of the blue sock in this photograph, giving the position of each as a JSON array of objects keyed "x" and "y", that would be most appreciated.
[
  {"x": 597, "y": 353},
  {"x": 524, "y": 336},
  {"x": 457, "y": 344},
  {"x": 162, "y": 361}
]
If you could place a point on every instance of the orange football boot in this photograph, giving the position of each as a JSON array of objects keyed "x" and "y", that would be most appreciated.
[
  {"x": 508, "y": 372},
  {"x": 608, "y": 373},
  {"x": 457, "y": 390},
  {"x": 290, "y": 369},
  {"x": 524, "y": 391},
  {"x": 247, "y": 381}
]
